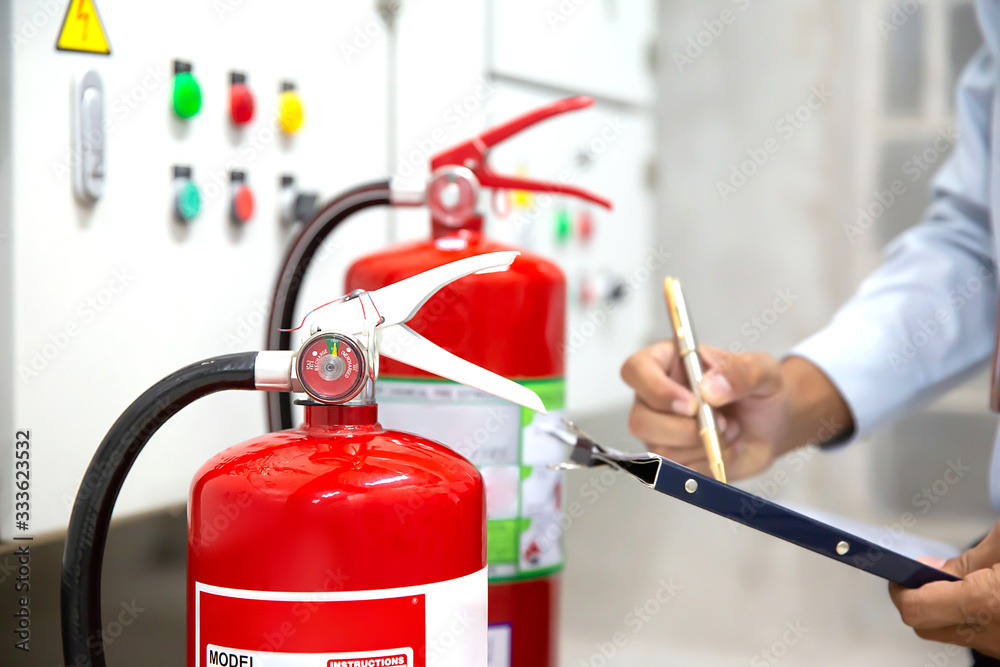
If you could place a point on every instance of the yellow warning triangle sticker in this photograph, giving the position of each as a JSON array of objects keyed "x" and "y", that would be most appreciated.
[{"x": 82, "y": 29}]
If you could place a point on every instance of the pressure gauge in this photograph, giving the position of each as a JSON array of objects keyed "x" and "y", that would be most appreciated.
[{"x": 331, "y": 368}]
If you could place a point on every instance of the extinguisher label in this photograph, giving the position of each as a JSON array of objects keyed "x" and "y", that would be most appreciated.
[
  {"x": 441, "y": 624},
  {"x": 512, "y": 448}
]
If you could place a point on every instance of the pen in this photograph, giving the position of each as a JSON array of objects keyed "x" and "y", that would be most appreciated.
[{"x": 688, "y": 349}]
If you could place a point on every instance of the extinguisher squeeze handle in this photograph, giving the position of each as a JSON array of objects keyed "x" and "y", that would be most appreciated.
[{"x": 472, "y": 153}]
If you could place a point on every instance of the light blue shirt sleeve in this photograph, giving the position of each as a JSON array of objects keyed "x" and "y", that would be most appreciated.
[{"x": 925, "y": 320}]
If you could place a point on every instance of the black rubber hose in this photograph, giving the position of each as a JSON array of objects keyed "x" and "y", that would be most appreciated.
[
  {"x": 293, "y": 270},
  {"x": 83, "y": 642}
]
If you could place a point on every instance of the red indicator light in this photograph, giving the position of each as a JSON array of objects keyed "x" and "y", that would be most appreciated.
[
  {"x": 240, "y": 103},
  {"x": 243, "y": 204},
  {"x": 585, "y": 225}
]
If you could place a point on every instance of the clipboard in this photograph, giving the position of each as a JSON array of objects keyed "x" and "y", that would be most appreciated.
[{"x": 682, "y": 483}]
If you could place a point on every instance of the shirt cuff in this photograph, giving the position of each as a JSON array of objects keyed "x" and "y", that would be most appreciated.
[{"x": 826, "y": 351}]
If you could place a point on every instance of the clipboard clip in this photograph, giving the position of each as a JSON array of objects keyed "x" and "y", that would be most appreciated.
[{"x": 587, "y": 453}]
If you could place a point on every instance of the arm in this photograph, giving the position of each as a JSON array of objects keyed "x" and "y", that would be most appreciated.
[{"x": 925, "y": 319}]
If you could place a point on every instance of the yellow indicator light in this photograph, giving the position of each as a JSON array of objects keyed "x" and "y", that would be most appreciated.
[
  {"x": 290, "y": 112},
  {"x": 521, "y": 199}
]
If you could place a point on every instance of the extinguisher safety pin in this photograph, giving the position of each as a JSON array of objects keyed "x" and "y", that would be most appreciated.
[{"x": 363, "y": 294}]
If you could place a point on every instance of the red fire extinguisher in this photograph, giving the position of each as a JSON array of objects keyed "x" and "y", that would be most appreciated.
[
  {"x": 338, "y": 543},
  {"x": 511, "y": 323}
]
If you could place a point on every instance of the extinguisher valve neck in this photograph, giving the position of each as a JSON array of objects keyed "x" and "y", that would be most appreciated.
[{"x": 318, "y": 414}]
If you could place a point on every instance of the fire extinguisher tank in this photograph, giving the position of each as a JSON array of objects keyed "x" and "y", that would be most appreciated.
[{"x": 283, "y": 528}]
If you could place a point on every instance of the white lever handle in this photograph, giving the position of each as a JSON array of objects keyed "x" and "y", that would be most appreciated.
[
  {"x": 399, "y": 302},
  {"x": 404, "y": 344}
]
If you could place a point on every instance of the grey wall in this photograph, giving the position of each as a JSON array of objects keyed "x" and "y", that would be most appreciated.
[{"x": 780, "y": 231}]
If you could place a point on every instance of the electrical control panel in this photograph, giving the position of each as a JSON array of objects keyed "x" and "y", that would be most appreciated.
[{"x": 152, "y": 175}]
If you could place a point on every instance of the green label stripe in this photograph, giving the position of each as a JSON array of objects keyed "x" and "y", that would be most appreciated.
[
  {"x": 503, "y": 540},
  {"x": 533, "y": 574}
]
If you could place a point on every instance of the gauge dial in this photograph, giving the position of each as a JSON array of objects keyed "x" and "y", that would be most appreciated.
[{"x": 331, "y": 368}]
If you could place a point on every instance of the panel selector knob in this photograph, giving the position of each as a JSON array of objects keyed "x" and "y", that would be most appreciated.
[
  {"x": 294, "y": 205},
  {"x": 187, "y": 198},
  {"x": 601, "y": 287}
]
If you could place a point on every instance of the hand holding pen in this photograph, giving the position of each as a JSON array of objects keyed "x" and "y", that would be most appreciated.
[{"x": 748, "y": 391}]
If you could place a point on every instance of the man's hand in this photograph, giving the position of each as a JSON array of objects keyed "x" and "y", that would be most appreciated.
[
  {"x": 764, "y": 408},
  {"x": 967, "y": 612},
  {"x": 747, "y": 390}
]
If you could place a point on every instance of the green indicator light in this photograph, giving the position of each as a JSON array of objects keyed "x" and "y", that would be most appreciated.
[
  {"x": 564, "y": 226},
  {"x": 187, "y": 95},
  {"x": 188, "y": 201}
]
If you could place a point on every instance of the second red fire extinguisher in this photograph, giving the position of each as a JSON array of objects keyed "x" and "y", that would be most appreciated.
[{"x": 511, "y": 323}]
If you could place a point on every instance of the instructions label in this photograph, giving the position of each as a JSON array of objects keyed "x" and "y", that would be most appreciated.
[{"x": 440, "y": 624}]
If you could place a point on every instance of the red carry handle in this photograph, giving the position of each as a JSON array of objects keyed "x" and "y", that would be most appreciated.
[{"x": 472, "y": 153}]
